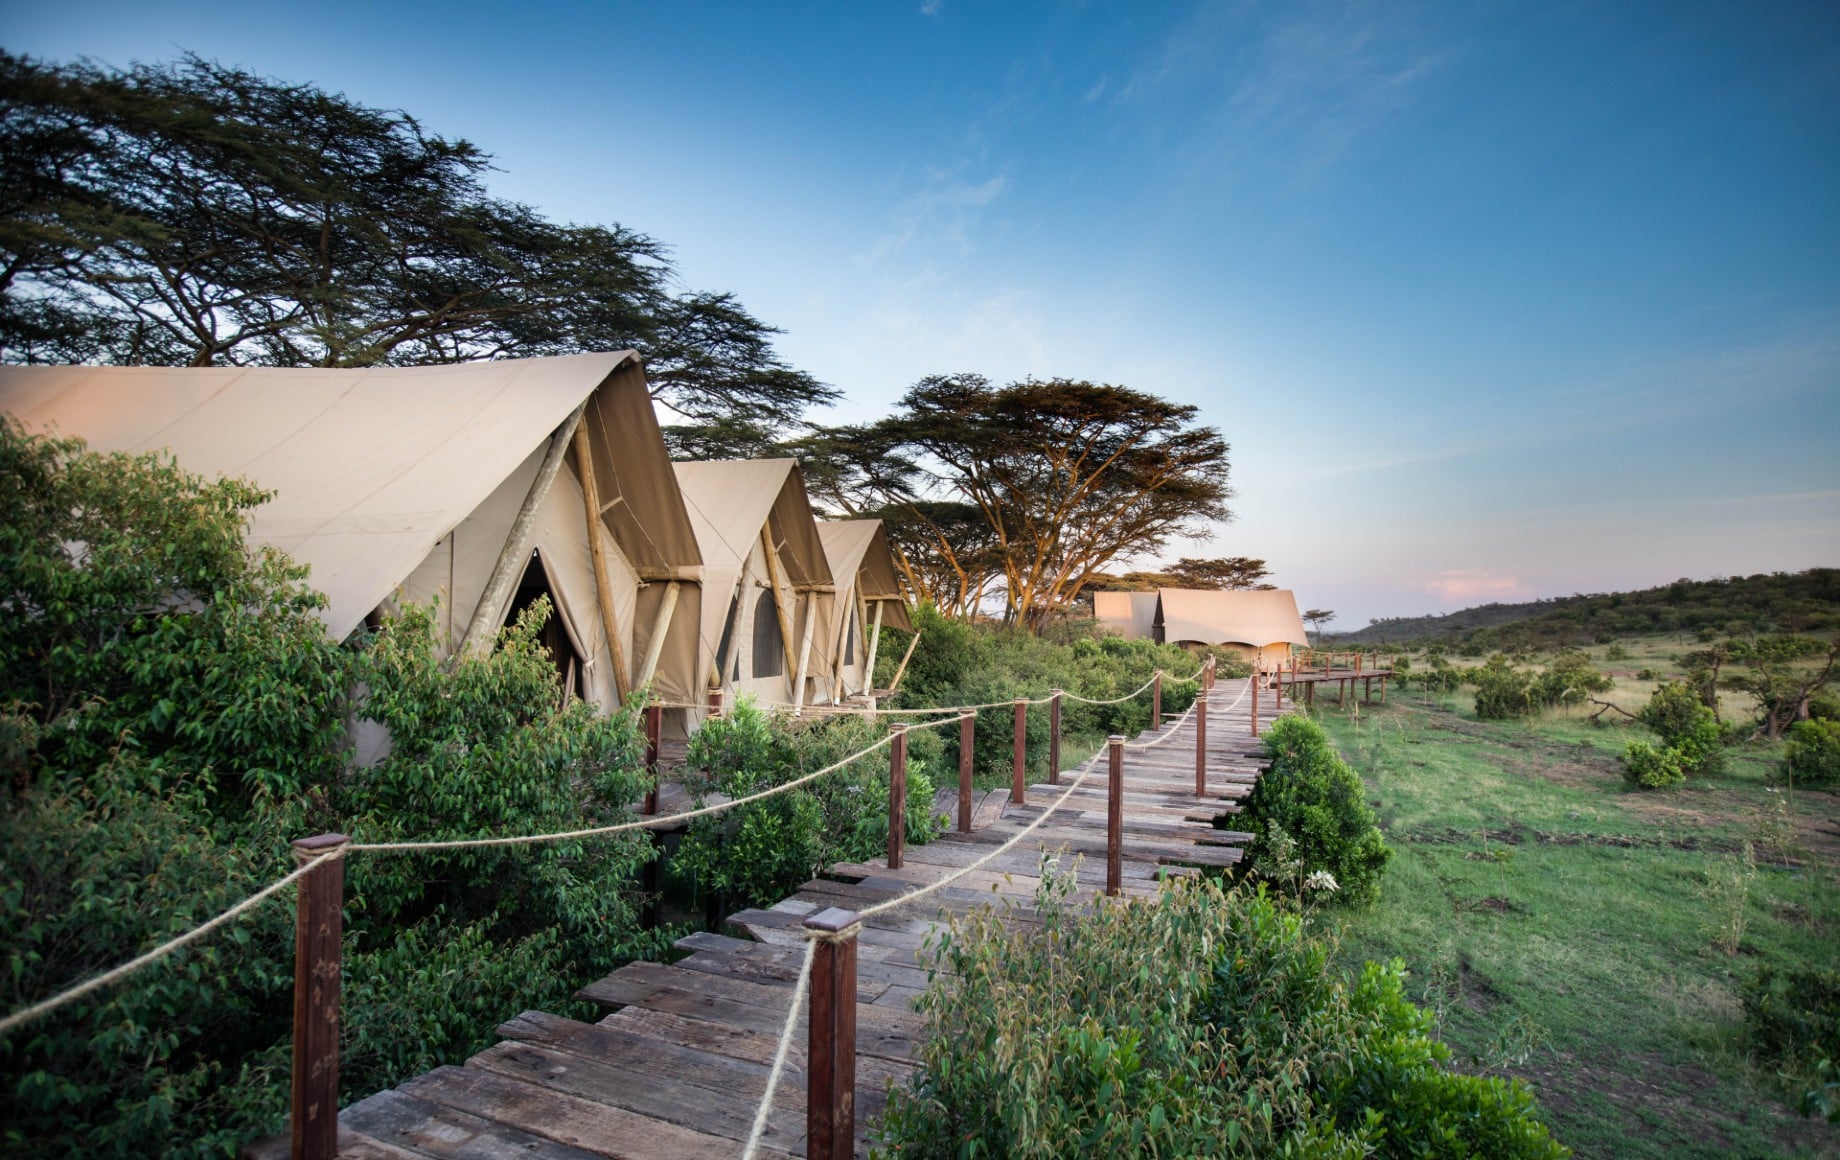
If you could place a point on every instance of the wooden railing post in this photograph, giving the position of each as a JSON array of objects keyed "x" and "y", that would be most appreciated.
[
  {"x": 1114, "y": 818},
  {"x": 1019, "y": 766},
  {"x": 715, "y": 702},
  {"x": 1054, "y": 738},
  {"x": 1156, "y": 700},
  {"x": 1256, "y": 678},
  {"x": 319, "y": 925},
  {"x": 830, "y": 1098},
  {"x": 1201, "y": 707},
  {"x": 967, "y": 750},
  {"x": 654, "y": 734},
  {"x": 897, "y": 796}
]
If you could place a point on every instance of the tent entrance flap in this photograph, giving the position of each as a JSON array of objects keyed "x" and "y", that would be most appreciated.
[{"x": 558, "y": 636}]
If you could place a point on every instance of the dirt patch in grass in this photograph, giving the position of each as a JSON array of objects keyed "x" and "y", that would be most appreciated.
[{"x": 1488, "y": 904}]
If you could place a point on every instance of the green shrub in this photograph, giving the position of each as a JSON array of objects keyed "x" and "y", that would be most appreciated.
[
  {"x": 1503, "y": 692},
  {"x": 1812, "y": 756},
  {"x": 1441, "y": 677},
  {"x": 1616, "y": 652},
  {"x": 1054, "y": 1041},
  {"x": 1686, "y": 727},
  {"x": 160, "y": 753},
  {"x": 1647, "y": 766},
  {"x": 756, "y": 854},
  {"x": 1794, "y": 1014},
  {"x": 1569, "y": 680},
  {"x": 959, "y": 663},
  {"x": 1323, "y": 823}
]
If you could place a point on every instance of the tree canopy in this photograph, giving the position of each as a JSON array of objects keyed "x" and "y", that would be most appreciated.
[
  {"x": 195, "y": 214},
  {"x": 1027, "y": 490}
]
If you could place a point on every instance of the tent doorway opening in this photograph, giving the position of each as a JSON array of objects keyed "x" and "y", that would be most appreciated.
[{"x": 555, "y": 636}]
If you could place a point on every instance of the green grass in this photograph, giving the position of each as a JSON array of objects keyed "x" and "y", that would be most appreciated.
[{"x": 1564, "y": 928}]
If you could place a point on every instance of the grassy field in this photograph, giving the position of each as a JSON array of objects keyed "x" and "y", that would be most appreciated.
[{"x": 1569, "y": 932}]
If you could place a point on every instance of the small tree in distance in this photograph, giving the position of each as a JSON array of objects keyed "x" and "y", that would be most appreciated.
[{"x": 1317, "y": 617}]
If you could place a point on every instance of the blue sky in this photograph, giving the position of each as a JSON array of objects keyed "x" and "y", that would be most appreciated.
[{"x": 1493, "y": 301}]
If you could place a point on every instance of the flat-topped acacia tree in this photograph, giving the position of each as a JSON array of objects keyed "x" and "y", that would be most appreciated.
[{"x": 1029, "y": 489}]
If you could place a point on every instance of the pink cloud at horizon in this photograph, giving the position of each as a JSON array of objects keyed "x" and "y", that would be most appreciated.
[{"x": 1470, "y": 584}]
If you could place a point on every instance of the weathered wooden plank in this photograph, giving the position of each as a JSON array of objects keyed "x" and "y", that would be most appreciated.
[
  {"x": 434, "y": 1129},
  {"x": 596, "y": 1127}
]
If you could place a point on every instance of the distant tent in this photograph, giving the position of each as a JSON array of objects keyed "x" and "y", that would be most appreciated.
[
  {"x": 1260, "y": 624},
  {"x": 768, "y": 590},
  {"x": 1131, "y": 614},
  {"x": 868, "y": 599},
  {"x": 403, "y": 483}
]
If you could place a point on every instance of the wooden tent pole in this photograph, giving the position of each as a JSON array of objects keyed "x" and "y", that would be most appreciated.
[
  {"x": 654, "y": 648},
  {"x": 811, "y": 617},
  {"x": 894, "y": 686},
  {"x": 875, "y": 641},
  {"x": 780, "y": 596},
  {"x": 482, "y": 628},
  {"x": 603, "y": 595}
]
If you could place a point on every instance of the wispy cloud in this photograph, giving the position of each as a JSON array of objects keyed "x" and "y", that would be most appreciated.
[
  {"x": 1470, "y": 584},
  {"x": 937, "y": 219}
]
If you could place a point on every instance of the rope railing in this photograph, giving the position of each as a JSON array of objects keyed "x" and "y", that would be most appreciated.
[
  {"x": 315, "y": 854},
  {"x": 46, "y": 1006}
]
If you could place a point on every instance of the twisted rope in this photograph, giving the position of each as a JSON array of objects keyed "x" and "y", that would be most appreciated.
[{"x": 46, "y": 1006}]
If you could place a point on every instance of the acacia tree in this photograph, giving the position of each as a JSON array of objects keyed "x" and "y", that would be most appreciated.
[
  {"x": 1229, "y": 573},
  {"x": 1317, "y": 617},
  {"x": 1064, "y": 477},
  {"x": 199, "y": 215}
]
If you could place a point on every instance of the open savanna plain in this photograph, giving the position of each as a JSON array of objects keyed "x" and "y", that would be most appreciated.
[{"x": 1568, "y": 931}]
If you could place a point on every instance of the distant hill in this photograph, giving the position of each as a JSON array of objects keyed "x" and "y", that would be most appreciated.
[{"x": 1774, "y": 602}]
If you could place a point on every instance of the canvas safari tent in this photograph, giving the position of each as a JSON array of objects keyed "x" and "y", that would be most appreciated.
[
  {"x": 768, "y": 592},
  {"x": 467, "y": 485},
  {"x": 868, "y": 600},
  {"x": 1262, "y": 625}
]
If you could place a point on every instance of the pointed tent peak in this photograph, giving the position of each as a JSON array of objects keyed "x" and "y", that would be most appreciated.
[
  {"x": 370, "y": 466},
  {"x": 860, "y": 549},
  {"x": 1212, "y": 616},
  {"x": 731, "y": 500}
]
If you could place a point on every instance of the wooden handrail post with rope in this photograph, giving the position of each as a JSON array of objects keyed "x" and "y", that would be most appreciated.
[
  {"x": 830, "y": 1097},
  {"x": 1114, "y": 817},
  {"x": 1156, "y": 700},
  {"x": 967, "y": 752},
  {"x": 1054, "y": 738},
  {"x": 1201, "y": 708},
  {"x": 897, "y": 796},
  {"x": 1018, "y": 765},
  {"x": 319, "y": 909},
  {"x": 654, "y": 738}
]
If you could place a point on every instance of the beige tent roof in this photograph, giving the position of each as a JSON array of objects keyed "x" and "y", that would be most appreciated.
[
  {"x": 1133, "y": 614},
  {"x": 730, "y": 501},
  {"x": 372, "y": 467},
  {"x": 859, "y": 549},
  {"x": 1255, "y": 618}
]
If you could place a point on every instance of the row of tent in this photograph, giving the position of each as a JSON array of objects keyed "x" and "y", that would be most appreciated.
[
  {"x": 1259, "y": 625},
  {"x": 479, "y": 487}
]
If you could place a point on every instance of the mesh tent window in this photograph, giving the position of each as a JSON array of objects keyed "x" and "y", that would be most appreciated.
[{"x": 769, "y": 644}]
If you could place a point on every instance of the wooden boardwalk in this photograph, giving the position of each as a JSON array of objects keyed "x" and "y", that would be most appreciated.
[{"x": 677, "y": 1068}]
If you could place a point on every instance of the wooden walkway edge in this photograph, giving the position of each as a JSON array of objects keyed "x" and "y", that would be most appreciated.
[{"x": 677, "y": 1067}]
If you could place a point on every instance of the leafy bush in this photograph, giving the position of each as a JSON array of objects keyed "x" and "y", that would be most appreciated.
[
  {"x": 1812, "y": 756},
  {"x": 1316, "y": 802},
  {"x": 1686, "y": 727},
  {"x": 1794, "y": 1014},
  {"x": 756, "y": 854},
  {"x": 1647, "y": 766},
  {"x": 1053, "y": 1042},
  {"x": 1441, "y": 677},
  {"x": 959, "y": 663},
  {"x": 1569, "y": 680},
  {"x": 171, "y": 715},
  {"x": 1503, "y": 692}
]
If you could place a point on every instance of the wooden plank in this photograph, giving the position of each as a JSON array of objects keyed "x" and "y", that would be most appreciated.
[
  {"x": 593, "y": 1126},
  {"x": 433, "y": 1129}
]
